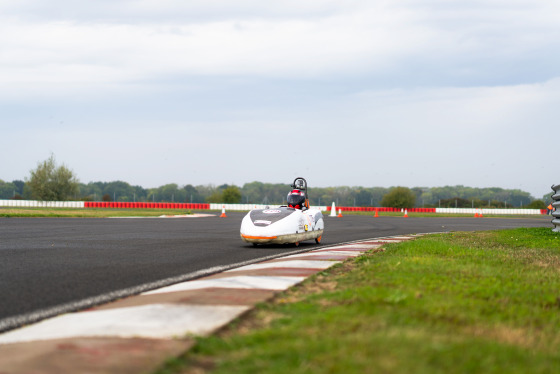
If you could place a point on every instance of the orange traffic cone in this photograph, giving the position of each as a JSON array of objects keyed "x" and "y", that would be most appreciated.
[
  {"x": 223, "y": 215},
  {"x": 376, "y": 214},
  {"x": 406, "y": 213},
  {"x": 340, "y": 212},
  {"x": 480, "y": 215},
  {"x": 476, "y": 214}
]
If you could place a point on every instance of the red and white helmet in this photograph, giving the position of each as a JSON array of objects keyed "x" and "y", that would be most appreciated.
[{"x": 296, "y": 199}]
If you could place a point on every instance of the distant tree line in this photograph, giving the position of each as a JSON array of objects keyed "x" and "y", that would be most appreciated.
[
  {"x": 50, "y": 181},
  {"x": 275, "y": 194}
]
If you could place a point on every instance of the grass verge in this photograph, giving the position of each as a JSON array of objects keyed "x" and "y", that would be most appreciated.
[
  {"x": 486, "y": 302},
  {"x": 419, "y": 214},
  {"x": 88, "y": 213}
]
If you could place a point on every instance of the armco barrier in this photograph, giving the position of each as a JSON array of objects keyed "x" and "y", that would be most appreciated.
[
  {"x": 142, "y": 205},
  {"x": 486, "y": 211},
  {"x": 42, "y": 204},
  {"x": 444, "y": 210},
  {"x": 379, "y": 209},
  {"x": 247, "y": 207},
  {"x": 556, "y": 205}
]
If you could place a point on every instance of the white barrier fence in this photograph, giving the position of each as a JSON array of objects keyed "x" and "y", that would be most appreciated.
[
  {"x": 438, "y": 210},
  {"x": 41, "y": 204},
  {"x": 247, "y": 207},
  {"x": 488, "y": 211}
]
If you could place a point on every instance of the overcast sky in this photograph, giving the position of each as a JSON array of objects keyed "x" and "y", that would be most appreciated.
[{"x": 358, "y": 93}]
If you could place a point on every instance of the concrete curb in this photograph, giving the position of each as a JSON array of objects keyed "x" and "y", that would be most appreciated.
[{"x": 137, "y": 334}]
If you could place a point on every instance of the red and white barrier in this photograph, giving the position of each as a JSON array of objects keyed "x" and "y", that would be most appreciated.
[
  {"x": 490, "y": 211},
  {"x": 144, "y": 205},
  {"x": 247, "y": 207},
  {"x": 41, "y": 204}
]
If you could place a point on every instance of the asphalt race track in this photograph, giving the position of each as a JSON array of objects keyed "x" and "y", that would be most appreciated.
[{"x": 54, "y": 265}]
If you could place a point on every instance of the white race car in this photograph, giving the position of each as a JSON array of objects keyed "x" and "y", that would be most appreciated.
[{"x": 293, "y": 223}]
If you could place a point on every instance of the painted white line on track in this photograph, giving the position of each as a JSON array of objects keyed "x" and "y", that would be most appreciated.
[
  {"x": 147, "y": 321},
  {"x": 353, "y": 246},
  {"x": 325, "y": 253},
  {"x": 241, "y": 281},
  {"x": 188, "y": 216},
  {"x": 168, "y": 321},
  {"x": 32, "y": 317},
  {"x": 303, "y": 264},
  {"x": 168, "y": 216}
]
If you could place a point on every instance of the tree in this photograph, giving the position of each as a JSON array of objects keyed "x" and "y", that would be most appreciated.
[
  {"x": 7, "y": 190},
  {"x": 19, "y": 186},
  {"x": 264, "y": 193},
  {"x": 192, "y": 195},
  {"x": 51, "y": 182},
  {"x": 399, "y": 197},
  {"x": 171, "y": 193},
  {"x": 231, "y": 195},
  {"x": 456, "y": 202},
  {"x": 225, "y": 194},
  {"x": 215, "y": 197},
  {"x": 537, "y": 204}
]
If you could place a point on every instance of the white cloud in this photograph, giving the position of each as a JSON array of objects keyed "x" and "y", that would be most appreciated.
[
  {"x": 377, "y": 83},
  {"x": 313, "y": 40},
  {"x": 66, "y": 51}
]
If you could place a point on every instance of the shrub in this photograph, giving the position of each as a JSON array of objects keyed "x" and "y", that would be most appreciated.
[
  {"x": 399, "y": 197},
  {"x": 537, "y": 204}
]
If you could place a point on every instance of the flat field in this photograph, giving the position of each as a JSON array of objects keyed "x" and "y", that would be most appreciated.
[{"x": 88, "y": 213}]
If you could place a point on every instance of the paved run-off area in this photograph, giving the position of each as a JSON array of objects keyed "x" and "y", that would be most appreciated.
[{"x": 137, "y": 334}]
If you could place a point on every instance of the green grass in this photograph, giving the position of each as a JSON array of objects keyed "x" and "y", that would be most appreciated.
[
  {"x": 89, "y": 212},
  {"x": 486, "y": 302},
  {"x": 419, "y": 214}
]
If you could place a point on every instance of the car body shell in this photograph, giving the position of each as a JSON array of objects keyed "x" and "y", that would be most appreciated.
[{"x": 282, "y": 225}]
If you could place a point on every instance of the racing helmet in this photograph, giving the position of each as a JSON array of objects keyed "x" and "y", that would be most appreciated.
[{"x": 296, "y": 199}]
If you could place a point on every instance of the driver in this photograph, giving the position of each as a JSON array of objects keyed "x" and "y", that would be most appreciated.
[{"x": 296, "y": 199}]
